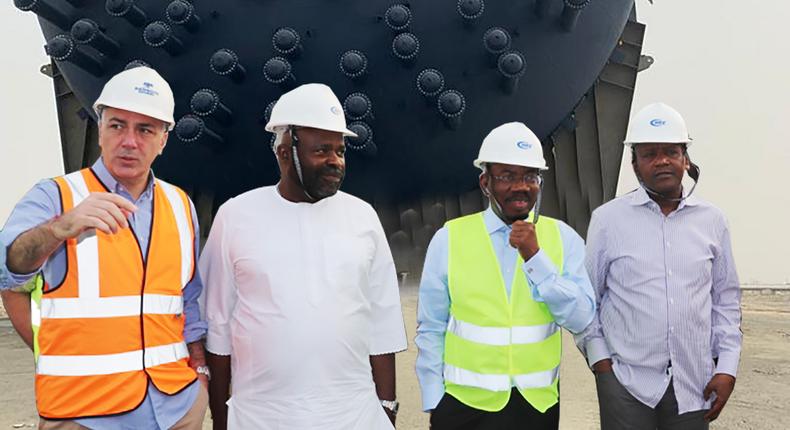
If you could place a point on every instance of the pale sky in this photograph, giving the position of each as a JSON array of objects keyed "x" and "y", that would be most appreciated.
[{"x": 722, "y": 63}]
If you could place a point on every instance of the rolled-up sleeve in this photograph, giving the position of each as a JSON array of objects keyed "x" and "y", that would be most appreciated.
[
  {"x": 726, "y": 307},
  {"x": 216, "y": 270},
  {"x": 5, "y": 280},
  {"x": 195, "y": 326},
  {"x": 388, "y": 333},
  {"x": 39, "y": 205},
  {"x": 569, "y": 295}
]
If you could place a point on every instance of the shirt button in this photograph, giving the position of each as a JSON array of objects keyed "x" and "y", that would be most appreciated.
[
  {"x": 667, "y": 244},
  {"x": 671, "y": 301},
  {"x": 670, "y": 273},
  {"x": 529, "y": 270},
  {"x": 672, "y": 329}
]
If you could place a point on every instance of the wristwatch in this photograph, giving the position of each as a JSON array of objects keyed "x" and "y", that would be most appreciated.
[
  {"x": 391, "y": 405},
  {"x": 203, "y": 370}
]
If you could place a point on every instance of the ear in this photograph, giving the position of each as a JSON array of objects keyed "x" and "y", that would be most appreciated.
[
  {"x": 164, "y": 142},
  {"x": 484, "y": 180},
  {"x": 283, "y": 151},
  {"x": 636, "y": 170}
]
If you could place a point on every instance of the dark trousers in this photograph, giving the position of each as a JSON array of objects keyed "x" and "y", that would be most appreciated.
[
  {"x": 622, "y": 411},
  {"x": 451, "y": 414}
]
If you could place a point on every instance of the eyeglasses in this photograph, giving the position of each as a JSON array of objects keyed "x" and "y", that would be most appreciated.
[
  {"x": 529, "y": 179},
  {"x": 674, "y": 152}
]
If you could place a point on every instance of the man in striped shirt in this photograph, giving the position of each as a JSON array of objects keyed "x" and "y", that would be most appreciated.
[{"x": 665, "y": 343}]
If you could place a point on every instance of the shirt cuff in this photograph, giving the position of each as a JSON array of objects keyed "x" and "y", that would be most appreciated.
[
  {"x": 539, "y": 268},
  {"x": 728, "y": 363},
  {"x": 431, "y": 395},
  {"x": 195, "y": 331},
  {"x": 218, "y": 340},
  {"x": 597, "y": 350},
  {"x": 19, "y": 279}
]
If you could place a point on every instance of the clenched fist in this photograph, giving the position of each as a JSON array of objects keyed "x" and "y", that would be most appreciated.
[
  {"x": 106, "y": 212},
  {"x": 525, "y": 239}
]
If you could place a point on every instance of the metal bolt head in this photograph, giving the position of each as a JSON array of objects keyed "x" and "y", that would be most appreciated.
[
  {"x": 157, "y": 33},
  {"x": 430, "y": 82}
]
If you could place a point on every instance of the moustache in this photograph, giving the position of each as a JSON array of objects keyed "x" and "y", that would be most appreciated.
[
  {"x": 519, "y": 196},
  {"x": 331, "y": 171}
]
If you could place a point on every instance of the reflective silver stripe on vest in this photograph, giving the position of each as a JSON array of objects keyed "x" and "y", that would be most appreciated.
[
  {"x": 498, "y": 382},
  {"x": 87, "y": 250},
  {"x": 184, "y": 233},
  {"x": 108, "y": 307},
  {"x": 500, "y": 336},
  {"x": 35, "y": 313},
  {"x": 108, "y": 364}
]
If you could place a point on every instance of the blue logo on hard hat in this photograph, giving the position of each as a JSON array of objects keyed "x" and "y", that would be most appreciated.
[
  {"x": 335, "y": 110},
  {"x": 658, "y": 122},
  {"x": 523, "y": 144},
  {"x": 147, "y": 89}
]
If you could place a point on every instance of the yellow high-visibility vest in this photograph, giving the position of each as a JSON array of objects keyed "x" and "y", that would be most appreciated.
[
  {"x": 493, "y": 342},
  {"x": 35, "y": 309}
]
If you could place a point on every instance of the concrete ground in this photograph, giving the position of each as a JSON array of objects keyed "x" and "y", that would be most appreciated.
[{"x": 760, "y": 400}]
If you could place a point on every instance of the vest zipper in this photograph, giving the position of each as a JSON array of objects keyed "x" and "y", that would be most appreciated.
[{"x": 144, "y": 260}]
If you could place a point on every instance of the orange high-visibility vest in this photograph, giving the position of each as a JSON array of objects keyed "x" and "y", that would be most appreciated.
[{"x": 116, "y": 320}]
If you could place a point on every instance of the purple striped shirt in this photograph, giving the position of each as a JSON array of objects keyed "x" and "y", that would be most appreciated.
[{"x": 668, "y": 297}]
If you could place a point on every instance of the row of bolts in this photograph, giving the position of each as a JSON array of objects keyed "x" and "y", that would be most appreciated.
[{"x": 278, "y": 70}]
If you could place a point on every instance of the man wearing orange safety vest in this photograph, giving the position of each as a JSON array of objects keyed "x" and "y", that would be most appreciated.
[{"x": 120, "y": 334}]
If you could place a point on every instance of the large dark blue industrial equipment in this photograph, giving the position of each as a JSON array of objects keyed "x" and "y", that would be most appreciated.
[{"x": 422, "y": 83}]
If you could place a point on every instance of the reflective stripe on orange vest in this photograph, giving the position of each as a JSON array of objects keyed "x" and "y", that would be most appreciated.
[{"x": 116, "y": 321}]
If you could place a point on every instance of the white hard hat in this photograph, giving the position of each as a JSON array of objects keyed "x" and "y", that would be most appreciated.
[
  {"x": 512, "y": 143},
  {"x": 141, "y": 90},
  {"x": 309, "y": 105},
  {"x": 657, "y": 123}
]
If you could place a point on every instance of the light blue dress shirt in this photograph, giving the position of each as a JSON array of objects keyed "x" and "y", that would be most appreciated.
[
  {"x": 668, "y": 297},
  {"x": 42, "y": 203},
  {"x": 569, "y": 295}
]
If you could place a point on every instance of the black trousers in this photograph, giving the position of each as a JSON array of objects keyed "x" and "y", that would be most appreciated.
[
  {"x": 451, "y": 414},
  {"x": 620, "y": 410}
]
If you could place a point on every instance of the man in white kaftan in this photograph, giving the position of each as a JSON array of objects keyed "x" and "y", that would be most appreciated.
[{"x": 302, "y": 298}]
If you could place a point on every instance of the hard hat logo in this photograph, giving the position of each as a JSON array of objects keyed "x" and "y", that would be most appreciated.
[
  {"x": 147, "y": 89},
  {"x": 524, "y": 145},
  {"x": 658, "y": 122},
  {"x": 335, "y": 110}
]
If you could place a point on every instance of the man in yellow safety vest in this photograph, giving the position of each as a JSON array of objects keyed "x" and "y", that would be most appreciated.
[{"x": 496, "y": 288}]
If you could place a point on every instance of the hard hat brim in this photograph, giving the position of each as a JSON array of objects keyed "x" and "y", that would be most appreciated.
[
  {"x": 479, "y": 164},
  {"x": 686, "y": 142},
  {"x": 142, "y": 110},
  {"x": 275, "y": 128}
]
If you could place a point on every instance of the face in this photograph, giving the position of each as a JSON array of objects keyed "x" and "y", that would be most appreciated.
[
  {"x": 129, "y": 143},
  {"x": 515, "y": 188},
  {"x": 660, "y": 166},
  {"x": 322, "y": 157}
]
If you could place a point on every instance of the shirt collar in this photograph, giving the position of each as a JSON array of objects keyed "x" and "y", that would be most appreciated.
[
  {"x": 113, "y": 185},
  {"x": 639, "y": 197},
  {"x": 493, "y": 222}
]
